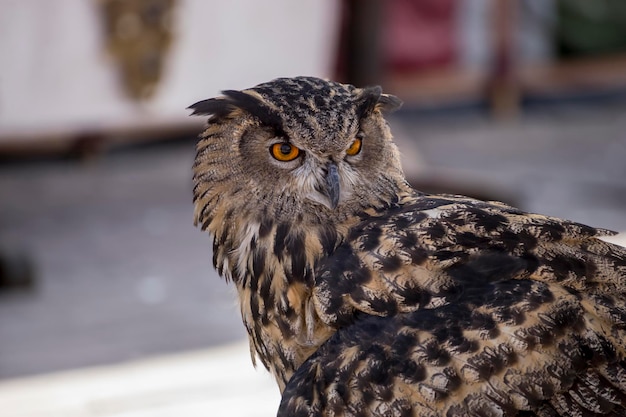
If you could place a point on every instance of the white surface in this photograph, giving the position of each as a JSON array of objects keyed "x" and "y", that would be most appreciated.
[
  {"x": 56, "y": 74},
  {"x": 215, "y": 382},
  {"x": 619, "y": 239}
]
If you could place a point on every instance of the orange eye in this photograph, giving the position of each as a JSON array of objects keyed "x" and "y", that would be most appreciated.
[
  {"x": 355, "y": 148},
  {"x": 284, "y": 152}
]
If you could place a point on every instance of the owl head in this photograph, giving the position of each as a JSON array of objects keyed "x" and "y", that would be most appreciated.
[{"x": 295, "y": 149}]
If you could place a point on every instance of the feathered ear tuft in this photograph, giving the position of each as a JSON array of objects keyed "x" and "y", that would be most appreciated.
[
  {"x": 254, "y": 105},
  {"x": 234, "y": 100},
  {"x": 216, "y": 107},
  {"x": 372, "y": 98},
  {"x": 388, "y": 103},
  {"x": 368, "y": 98}
]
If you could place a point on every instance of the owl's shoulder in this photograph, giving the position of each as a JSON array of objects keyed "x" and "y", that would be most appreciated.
[
  {"x": 425, "y": 250},
  {"x": 442, "y": 219}
]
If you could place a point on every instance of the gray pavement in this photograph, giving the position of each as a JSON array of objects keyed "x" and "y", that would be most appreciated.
[{"x": 123, "y": 274}]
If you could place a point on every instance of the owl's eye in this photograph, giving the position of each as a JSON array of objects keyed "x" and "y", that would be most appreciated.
[
  {"x": 284, "y": 152},
  {"x": 355, "y": 147}
]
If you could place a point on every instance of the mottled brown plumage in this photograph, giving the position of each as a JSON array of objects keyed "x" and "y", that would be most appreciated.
[{"x": 366, "y": 298}]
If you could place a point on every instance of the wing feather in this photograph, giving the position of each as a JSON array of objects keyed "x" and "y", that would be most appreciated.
[
  {"x": 445, "y": 305},
  {"x": 441, "y": 361}
]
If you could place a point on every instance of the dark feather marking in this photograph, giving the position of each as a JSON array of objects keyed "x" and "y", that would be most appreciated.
[
  {"x": 377, "y": 370},
  {"x": 205, "y": 222},
  {"x": 198, "y": 196},
  {"x": 486, "y": 220},
  {"x": 295, "y": 247},
  {"x": 447, "y": 333},
  {"x": 309, "y": 277},
  {"x": 413, "y": 296},
  {"x": 236, "y": 272},
  {"x": 482, "y": 321},
  {"x": 402, "y": 222},
  {"x": 344, "y": 260},
  {"x": 265, "y": 291},
  {"x": 289, "y": 312},
  {"x": 514, "y": 316},
  {"x": 285, "y": 331},
  {"x": 360, "y": 276},
  {"x": 453, "y": 380},
  {"x": 282, "y": 231},
  {"x": 472, "y": 240},
  {"x": 403, "y": 344},
  {"x": 411, "y": 371},
  {"x": 391, "y": 263},
  {"x": 435, "y": 354},
  {"x": 254, "y": 309},
  {"x": 436, "y": 231},
  {"x": 532, "y": 263},
  {"x": 370, "y": 239},
  {"x": 367, "y": 100},
  {"x": 282, "y": 357},
  {"x": 328, "y": 239},
  {"x": 552, "y": 231},
  {"x": 319, "y": 101},
  {"x": 228, "y": 215},
  {"x": 445, "y": 255},
  {"x": 456, "y": 218},
  {"x": 426, "y": 204},
  {"x": 562, "y": 266},
  {"x": 507, "y": 293},
  {"x": 215, "y": 254},
  {"x": 543, "y": 335},
  {"x": 265, "y": 320},
  {"x": 258, "y": 261},
  {"x": 585, "y": 230},
  {"x": 381, "y": 305},
  {"x": 418, "y": 255},
  {"x": 265, "y": 226},
  {"x": 490, "y": 266},
  {"x": 207, "y": 209},
  {"x": 408, "y": 240},
  {"x": 334, "y": 304},
  {"x": 466, "y": 345},
  {"x": 486, "y": 363}
]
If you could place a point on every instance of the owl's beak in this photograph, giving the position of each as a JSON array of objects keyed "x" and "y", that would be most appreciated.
[{"x": 332, "y": 184}]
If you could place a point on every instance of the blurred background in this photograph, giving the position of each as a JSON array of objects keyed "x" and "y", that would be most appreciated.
[{"x": 108, "y": 302}]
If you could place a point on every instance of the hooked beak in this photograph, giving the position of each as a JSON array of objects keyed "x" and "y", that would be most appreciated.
[{"x": 332, "y": 189}]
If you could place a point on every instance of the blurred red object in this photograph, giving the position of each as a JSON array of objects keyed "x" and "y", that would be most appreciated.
[{"x": 419, "y": 35}]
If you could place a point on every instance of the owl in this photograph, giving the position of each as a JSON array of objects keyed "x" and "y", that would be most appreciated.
[{"x": 365, "y": 297}]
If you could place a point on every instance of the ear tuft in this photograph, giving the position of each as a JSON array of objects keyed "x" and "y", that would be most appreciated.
[
  {"x": 388, "y": 103},
  {"x": 216, "y": 107},
  {"x": 233, "y": 100},
  {"x": 368, "y": 98},
  {"x": 254, "y": 105},
  {"x": 372, "y": 98}
]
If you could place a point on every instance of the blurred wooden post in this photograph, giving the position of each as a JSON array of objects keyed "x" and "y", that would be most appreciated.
[
  {"x": 503, "y": 86},
  {"x": 364, "y": 42}
]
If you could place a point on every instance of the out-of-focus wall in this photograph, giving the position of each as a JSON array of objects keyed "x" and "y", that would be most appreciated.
[
  {"x": 533, "y": 41},
  {"x": 56, "y": 73}
]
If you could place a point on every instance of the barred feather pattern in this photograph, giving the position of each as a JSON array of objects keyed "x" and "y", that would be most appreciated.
[
  {"x": 395, "y": 302},
  {"x": 446, "y": 306}
]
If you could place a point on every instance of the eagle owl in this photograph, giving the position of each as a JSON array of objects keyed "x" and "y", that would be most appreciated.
[{"x": 365, "y": 297}]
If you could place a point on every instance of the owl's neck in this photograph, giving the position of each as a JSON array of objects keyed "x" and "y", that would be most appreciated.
[
  {"x": 273, "y": 268},
  {"x": 273, "y": 263}
]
